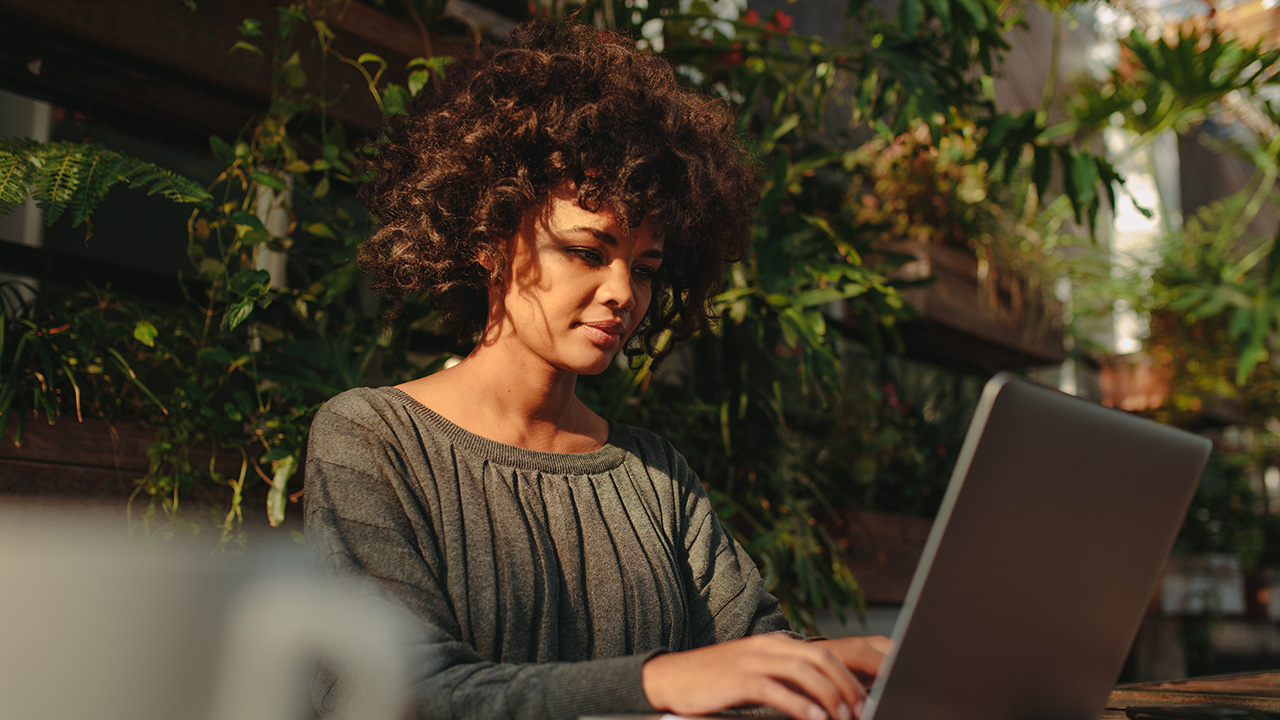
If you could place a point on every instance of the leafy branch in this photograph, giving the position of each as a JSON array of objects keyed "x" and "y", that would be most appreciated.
[{"x": 72, "y": 179}]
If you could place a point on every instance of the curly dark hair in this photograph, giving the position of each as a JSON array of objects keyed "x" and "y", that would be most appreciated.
[{"x": 454, "y": 175}]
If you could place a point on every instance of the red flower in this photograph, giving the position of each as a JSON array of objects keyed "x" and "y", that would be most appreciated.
[
  {"x": 730, "y": 60},
  {"x": 751, "y": 18},
  {"x": 780, "y": 23}
]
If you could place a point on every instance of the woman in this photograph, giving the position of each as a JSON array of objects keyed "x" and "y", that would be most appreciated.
[{"x": 562, "y": 199}]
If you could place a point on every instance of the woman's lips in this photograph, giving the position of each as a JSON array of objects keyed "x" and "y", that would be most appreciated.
[{"x": 605, "y": 334}]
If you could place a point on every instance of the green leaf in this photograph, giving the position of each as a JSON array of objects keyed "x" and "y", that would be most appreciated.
[
  {"x": 236, "y": 314},
  {"x": 942, "y": 9},
  {"x": 222, "y": 152},
  {"x": 417, "y": 80},
  {"x": 215, "y": 354},
  {"x": 320, "y": 229},
  {"x": 435, "y": 64},
  {"x": 277, "y": 496},
  {"x": 248, "y": 219},
  {"x": 1041, "y": 166},
  {"x": 819, "y": 296},
  {"x": 251, "y": 27},
  {"x": 120, "y": 362},
  {"x": 257, "y": 237},
  {"x": 250, "y": 282},
  {"x": 323, "y": 30},
  {"x": 977, "y": 13},
  {"x": 784, "y": 126},
  {"x": 909, "y": 12},
  {"x": 276, "y": 453},
  {"x": 394, "y": 99},
  {"x": 1250, "y": 355},
  {"x": 270, "y": 181},
  {"x": 248, "y": 47},
  {"x": 292, "y": 73},
  {"x": 1084, "y": 177},
  {"x": 145, "y": 332}
]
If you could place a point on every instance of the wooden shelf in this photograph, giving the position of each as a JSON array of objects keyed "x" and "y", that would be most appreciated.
[
  {"x": 158, "y": 60},
  {"x": 965, "y": 322}
]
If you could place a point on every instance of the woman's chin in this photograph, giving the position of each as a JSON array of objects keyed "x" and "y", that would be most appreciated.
[{"x": 593, "y": 366}]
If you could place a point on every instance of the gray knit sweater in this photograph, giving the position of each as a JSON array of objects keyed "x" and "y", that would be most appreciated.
[{"x": 541, "y": 581}]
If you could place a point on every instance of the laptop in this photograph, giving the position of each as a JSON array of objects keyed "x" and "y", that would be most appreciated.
[{"x": 1042, "y": 561}]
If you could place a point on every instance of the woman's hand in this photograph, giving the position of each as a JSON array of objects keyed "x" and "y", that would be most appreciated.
[{"x": 806, "y": 680}]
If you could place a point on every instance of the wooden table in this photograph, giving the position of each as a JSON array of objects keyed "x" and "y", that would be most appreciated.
[{"x": 1258, "y": 691}]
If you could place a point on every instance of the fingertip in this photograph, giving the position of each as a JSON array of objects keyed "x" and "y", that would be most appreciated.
[
  {"x": 816, "y": 712},
  {"x": 859, "y": 707}
]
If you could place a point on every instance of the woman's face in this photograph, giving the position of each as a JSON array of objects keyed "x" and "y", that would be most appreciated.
[{"x": 576, "y": 285}]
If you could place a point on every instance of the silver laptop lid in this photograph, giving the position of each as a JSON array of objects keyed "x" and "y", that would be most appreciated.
[{"x": 1045, "y": 553}]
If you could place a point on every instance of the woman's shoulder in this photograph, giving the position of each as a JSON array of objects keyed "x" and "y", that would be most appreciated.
[
  {"x": 361, "y": 401},
  {"x": 641, "y": 437},
  {"x": 649, "y": 447},
  {"x": 370, "y": 408}
]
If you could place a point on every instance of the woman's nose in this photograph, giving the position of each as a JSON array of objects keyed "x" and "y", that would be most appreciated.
[{"x": 616, "y": 288}]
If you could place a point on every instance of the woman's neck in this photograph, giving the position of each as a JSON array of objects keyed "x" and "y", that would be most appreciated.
[{"x": 526, "y": 405}]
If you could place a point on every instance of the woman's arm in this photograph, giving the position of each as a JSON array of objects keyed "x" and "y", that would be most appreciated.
[{"x": 746, "y": 658}]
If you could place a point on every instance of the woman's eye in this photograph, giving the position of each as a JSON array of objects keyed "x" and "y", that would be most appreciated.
[
  {"x": 645, "y": 272},
  {"x": 591, "y": 255}
]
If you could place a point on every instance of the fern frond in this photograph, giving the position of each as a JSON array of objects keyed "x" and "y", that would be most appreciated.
[
  {"x": 59, "y": 177},
  {"x": 101, "y": 172},
  {"x": 73, "y": 179},
  {"x": 168, "y": 184},
  {"x": 16, "y": 172}
]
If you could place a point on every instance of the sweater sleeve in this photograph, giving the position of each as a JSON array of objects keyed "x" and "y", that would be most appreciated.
[
  {"x": 364, "y": 519},
  {"x": 730, "y": 599}
]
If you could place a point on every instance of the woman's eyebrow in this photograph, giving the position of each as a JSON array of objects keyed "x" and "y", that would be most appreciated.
[
  {"x": 601, "y": 235},
  {"x": 608, "y": 239}
]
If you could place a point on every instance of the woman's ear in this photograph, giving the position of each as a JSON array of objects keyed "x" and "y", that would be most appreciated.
[{"x": 491, "y": 260}]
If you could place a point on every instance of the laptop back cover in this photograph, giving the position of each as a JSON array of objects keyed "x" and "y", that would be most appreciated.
[{"x": 1045, "y": 553}]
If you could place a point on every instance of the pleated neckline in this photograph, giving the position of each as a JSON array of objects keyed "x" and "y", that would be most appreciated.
[{"x": 607, "y": 457}]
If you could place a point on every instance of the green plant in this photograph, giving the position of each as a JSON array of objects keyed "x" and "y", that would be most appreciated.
[
  {"x": 1209, "y": 297},
  {"x": 239, "y": 370},
  {"x": 1214, "y": 266}
]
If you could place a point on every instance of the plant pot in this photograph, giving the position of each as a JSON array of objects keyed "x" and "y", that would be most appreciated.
[
  {"x": 1133, "y": 382},
  {"x": 1137, "y": 382},
  {"x": 971, "y": 322}
]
